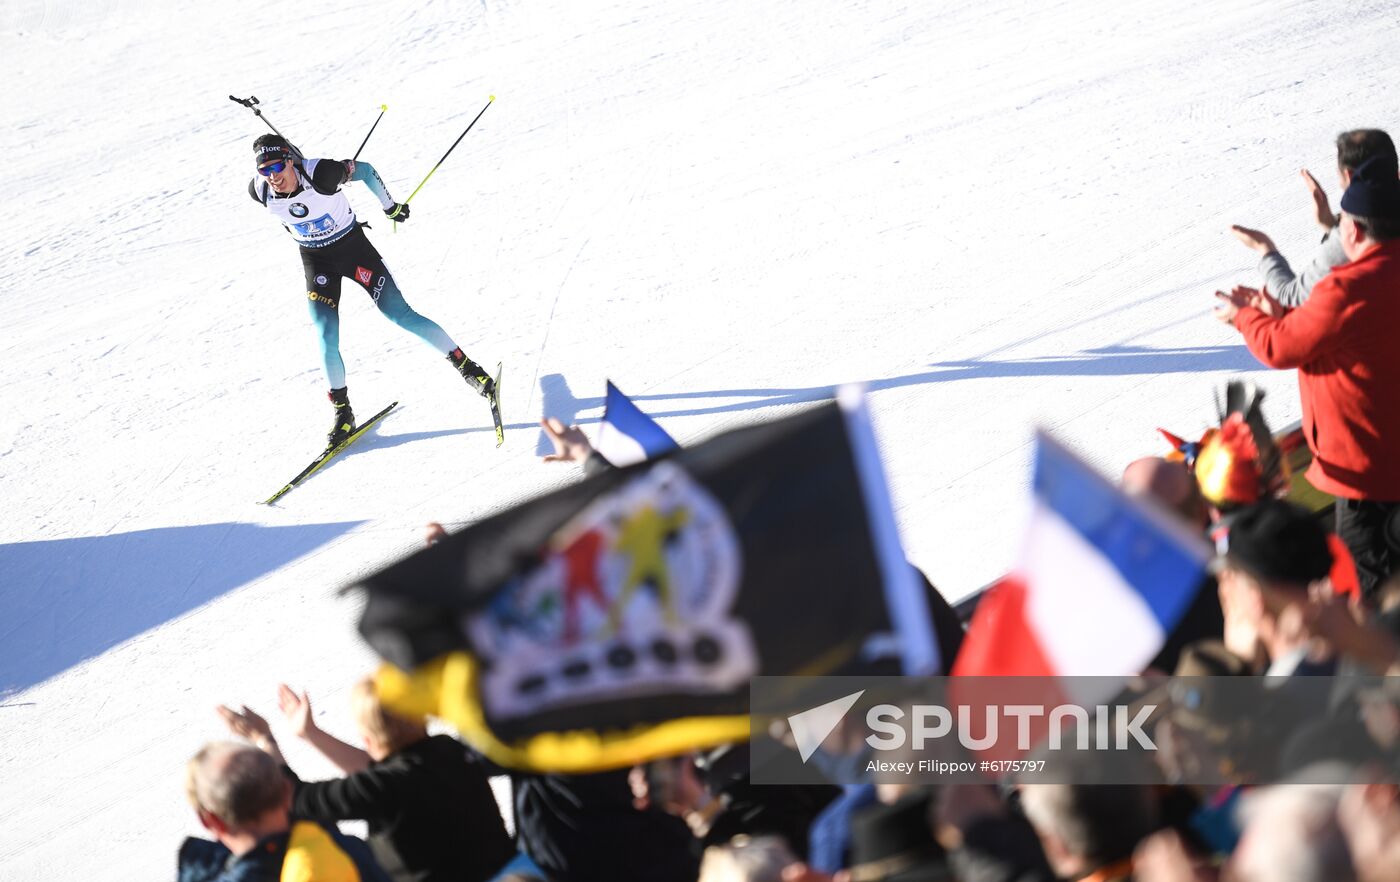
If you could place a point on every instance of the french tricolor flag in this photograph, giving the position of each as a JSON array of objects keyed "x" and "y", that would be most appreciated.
[
  {"x": 1101, "y": 580},
  {"x": 627, "y": 435}
]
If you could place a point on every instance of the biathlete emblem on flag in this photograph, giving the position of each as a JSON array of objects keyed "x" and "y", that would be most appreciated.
[
  {"x": 622, "y": 618},
  {"x": 649, "y": 574}
]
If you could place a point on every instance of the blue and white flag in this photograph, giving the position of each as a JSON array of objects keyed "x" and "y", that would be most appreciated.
[
  {"x": 627, "y": 435},
  {"x": 1101, "y": 581}
]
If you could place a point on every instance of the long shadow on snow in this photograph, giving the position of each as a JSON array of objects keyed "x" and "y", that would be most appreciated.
[
  {"x": 1109, "y": 361},
  {"x": 66, "y": 600}
]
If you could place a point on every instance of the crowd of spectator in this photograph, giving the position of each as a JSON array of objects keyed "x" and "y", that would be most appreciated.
[{"x": 1287, "y": 597}]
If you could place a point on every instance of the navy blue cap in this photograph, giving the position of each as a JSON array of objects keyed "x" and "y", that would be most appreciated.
[
  {"x": 1374, "y": 190},
  {"x": 1279, "y": 542}
]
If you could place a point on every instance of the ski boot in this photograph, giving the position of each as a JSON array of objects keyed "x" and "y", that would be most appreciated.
[
  {"x": 485, "y": 386},
  {"x": 473, "y": 373},
  {"x": 344, "y": 417}
]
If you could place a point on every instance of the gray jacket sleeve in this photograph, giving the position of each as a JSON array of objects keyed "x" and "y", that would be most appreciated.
[{"x": 1293, "y": 290}]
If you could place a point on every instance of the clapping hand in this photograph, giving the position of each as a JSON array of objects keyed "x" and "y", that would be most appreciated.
[
  {"x": 247, "y": 723},
  {"x": 1240, "y": 297},
  {"x": 297, "y": 709},
  {"x": 1263, "y": 301},
  {"x": 1253, "y": 239},
  {"x": 1231, "y": 304},
  {"x": 1322, "y": 209}
]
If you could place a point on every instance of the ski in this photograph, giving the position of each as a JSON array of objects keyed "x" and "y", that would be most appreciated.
[
  {"x": 495, "y": 400},
  {"x": 330, "y": 453}
]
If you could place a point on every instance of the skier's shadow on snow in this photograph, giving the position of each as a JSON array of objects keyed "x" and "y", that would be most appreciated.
[
  {"x": 66, "y": 600},
  {"x": 1108, "y": 361},
  {"x": 558, "y": 399}
]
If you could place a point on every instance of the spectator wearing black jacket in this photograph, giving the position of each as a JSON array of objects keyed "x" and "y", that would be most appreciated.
[
  {"x": 431, "y": 813},
  {"x": 585, "y": 828},
  {"x": 714, "y": 795}
]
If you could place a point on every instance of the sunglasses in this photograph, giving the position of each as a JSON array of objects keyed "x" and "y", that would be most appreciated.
[{"x": 273, "y": 167}]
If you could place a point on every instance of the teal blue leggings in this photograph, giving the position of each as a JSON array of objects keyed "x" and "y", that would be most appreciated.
[{"x": 353, "y": 257}]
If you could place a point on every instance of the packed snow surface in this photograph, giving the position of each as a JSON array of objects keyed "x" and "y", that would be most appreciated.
[{"x": 996, "y": 215}]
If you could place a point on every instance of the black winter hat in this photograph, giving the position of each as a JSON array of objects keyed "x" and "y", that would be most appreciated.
[
  {"x": 271, "y": 146},
  {"x": 1374, "y": 190},
  {"x": 1278, "y": 541},
  {"x": 894, "y": 843}
]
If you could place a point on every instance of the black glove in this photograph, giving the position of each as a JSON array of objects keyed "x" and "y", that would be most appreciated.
[{"x": 398, "y": 212}]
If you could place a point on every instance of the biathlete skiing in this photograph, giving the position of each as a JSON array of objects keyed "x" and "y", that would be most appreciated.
[{"x": 305, "y": 197}]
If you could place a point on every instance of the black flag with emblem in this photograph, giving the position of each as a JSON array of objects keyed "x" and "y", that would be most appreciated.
[{"x": 621, "y": 618}]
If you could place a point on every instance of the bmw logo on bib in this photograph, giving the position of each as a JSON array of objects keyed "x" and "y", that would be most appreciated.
[{"x": 298, "y": 210}]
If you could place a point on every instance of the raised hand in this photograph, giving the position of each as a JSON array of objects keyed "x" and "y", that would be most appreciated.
[
  {"x": 245, "y": 723},
  {"x": 570, "y": 444},
  {"x": 1322, "y": 209},
  {"x": 297, "y": 709}
]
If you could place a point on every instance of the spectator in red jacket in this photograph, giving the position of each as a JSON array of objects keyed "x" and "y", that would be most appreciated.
[{"x": 1343, "y": 343}]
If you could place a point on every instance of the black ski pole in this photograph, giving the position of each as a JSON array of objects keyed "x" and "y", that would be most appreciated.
[
  {"x": 251, "y": 102},
  {"x": 382, "y": 108},
  {"x": 489, "y": 100}
]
